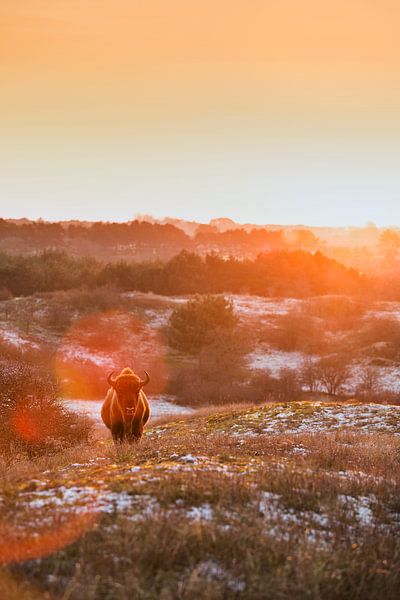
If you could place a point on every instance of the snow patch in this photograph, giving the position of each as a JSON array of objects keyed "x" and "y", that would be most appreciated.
[
  {"x": 159, "y": 406},
  {"x": 194, "y": 460},
  {"x": 200, "y": 513},
  {"x": 213, "y": 571},
  {"x": 275, "y": 360},
  {"x": 359, "y": 507},
  {"x": 14, "y": 338}
]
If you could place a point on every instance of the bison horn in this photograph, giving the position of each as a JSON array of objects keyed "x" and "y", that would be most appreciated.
[
  {"x": 110, "y": 379},
  {"x": 144, "y": 382}
]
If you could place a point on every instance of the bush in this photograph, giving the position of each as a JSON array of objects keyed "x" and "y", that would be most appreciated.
[
  {"x": 296, "y": 332},
  {"x": 337, "y": 312},
  {"x": 224, "y": 358},
  {"x": 383, "y": 396},
  {"x": 191, "y": 389},
  {"x": 381, "y": 336},
  {"x": 58, "y": 317},
  {"x": 333, "y": 373},
  {"x": 309, "y": 375},
  {"x": 64, "y": 306},
  {"x": 98, "y": 299},
  {"x": 199, "y": 322},
  {"x": 219, "y": 375},
  {"x": 33, "y": 421},
  {"x": 194, "y": 389},
  {"x": 369, "y": 383},
  {"x": 40, "y": 357},
  {"x": 283, "y": 388}
]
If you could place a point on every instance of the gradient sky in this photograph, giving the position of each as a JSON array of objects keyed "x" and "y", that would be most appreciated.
[{"x": 266, "y": 111}]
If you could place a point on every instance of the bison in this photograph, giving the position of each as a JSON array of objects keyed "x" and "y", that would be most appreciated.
[{"x": 126, "y": 409}]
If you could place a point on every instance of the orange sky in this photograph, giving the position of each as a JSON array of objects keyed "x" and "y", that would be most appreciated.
[
  {"x": 102, "y": 71},
  {"x": 155, "y": 51}
]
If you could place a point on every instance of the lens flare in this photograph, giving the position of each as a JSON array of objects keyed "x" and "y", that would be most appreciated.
[
  {"x": 103, "y": 342},
  {"x": 16, "y": 546},
  {"x": 28, "y": 426}
]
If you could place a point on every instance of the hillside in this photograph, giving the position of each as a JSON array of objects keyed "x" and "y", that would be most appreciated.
[
  {"x": 88, "y": 333},
  {"x": 295, "y": 500}
]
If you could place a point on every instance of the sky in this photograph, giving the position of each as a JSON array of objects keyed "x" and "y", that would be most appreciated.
[{"x": 265, "y": 111}]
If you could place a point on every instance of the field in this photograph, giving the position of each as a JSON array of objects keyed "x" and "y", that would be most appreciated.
[
  {"x": 280, "y": 500},
  {"x": 293, "y": 500},
  {"x": 199, "y": 300}
]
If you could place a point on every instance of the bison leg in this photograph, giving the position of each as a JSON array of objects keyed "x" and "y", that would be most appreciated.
[
  {"x": 117, "y": 430},
  {"x": 137, "y": 430}
]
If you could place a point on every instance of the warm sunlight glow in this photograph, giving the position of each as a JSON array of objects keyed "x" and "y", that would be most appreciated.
[
  {"x": 103, "y": 342},
  {"x": 28, "y": 426},
  {"x": 265, "y": 111},
  {"x": 199, "y": 299},
  {"x": 16, "y": 546}
]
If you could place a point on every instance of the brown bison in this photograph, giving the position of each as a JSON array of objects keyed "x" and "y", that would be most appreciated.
[{"x": 126, "y": 409}]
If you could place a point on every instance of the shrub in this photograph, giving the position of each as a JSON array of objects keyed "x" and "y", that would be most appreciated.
[
  {"x": 333, "y": 373},
  {"x": 58, "y": 318},
  {"x": 266, "y": 388},
  {"x": 191, "y": 389},
  {"x": 219, "y": 374},
  {"x": 40, "y": 357},
  {"x": 34, "y": 422},
  {"x": 199, "y": 322},
  {"x": 63, "y": 306},
  {"x": 309, "y": 375},
  {"x": 224, "y": 358},
  {"x": 296, "y": 331},
  {"x": 382, "y": 337},
  {"x": 383, "y": 396},
  {"x": 369, "y": 383},
  {"x": 337, "y": 312},
  {"x": 98, "y": 299}
]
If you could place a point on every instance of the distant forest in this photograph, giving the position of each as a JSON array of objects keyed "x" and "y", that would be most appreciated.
[
  {"x": 278, "y": 273},
  {"x": 39, "y": 256},
  {"x": 367, "y": 249},
  {"x": 143, "y": 240}
]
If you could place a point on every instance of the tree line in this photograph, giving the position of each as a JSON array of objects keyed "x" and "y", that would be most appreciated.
[
  {"x": 142, "y": 238},
  {"x": 279, "y": 273}
]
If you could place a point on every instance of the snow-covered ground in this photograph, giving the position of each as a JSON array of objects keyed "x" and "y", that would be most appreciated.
[
  {"x": 275, "y": 360},
  {"x": 159, "y": 406},
  {"x": 269, "y": 359},
  {"x": 305, "y": 417},
  {"x": 14, "y": 338},
  {"x": 244, "y": 305},
  {"x": 385, "y": 310},
  {"x": 355, "y": 511},
  {"x": 78, "y": 353},
  {"x": 258, "y": 306},
  {"x": 388, "y": 377},
  {"x": 137, "y": 332}
]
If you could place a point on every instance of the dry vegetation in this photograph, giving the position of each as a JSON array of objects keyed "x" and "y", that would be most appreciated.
[
  {"x": 88, "y": 331},
  {"x": 282, "y": 501}
]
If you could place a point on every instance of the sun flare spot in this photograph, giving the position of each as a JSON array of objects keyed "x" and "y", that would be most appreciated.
[{"x": 103, "y": 342}]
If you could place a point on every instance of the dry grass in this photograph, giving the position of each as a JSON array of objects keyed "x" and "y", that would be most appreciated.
[
  {"x": 17, "y": 467},
  {"x": 204, "y": 411},
  {"x": 195, "y": 511}
]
